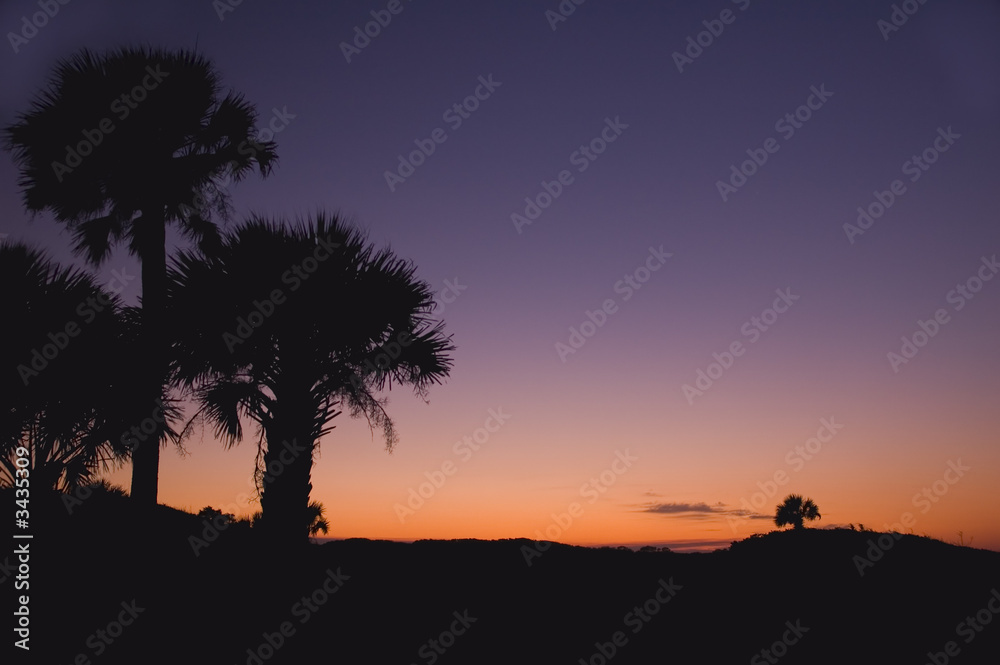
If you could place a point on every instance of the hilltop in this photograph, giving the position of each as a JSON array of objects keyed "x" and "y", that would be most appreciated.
[{"x": 798, "y": 594}]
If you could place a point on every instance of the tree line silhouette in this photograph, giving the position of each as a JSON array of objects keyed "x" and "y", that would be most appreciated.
[{"x": 283, "y": 324}]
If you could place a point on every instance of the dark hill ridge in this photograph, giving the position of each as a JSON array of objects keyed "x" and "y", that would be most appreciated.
[{"x": 473, "y": 601}]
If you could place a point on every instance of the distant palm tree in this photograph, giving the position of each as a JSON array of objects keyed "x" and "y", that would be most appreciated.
[
  {"x": 794, "y": 510},
  {"x": 119, "y": 145},
  {"x": 64, "y": 353},
  {"x": 290, "y": 326}
]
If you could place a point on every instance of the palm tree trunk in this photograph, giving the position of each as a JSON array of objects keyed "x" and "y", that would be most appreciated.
[
  {"x": 285, "y": 498},
  {"x": 291, "y": 440},
  {"x": 146, "y": 455}
]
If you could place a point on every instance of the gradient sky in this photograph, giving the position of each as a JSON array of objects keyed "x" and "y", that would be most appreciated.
[{"x": 697, "y": 460}]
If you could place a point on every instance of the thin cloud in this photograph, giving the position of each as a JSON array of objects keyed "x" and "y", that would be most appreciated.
[
  {"x": 749, "y": 515},
  {"x": 674, "y": 508},
  {"x": 700, "y": 510}
]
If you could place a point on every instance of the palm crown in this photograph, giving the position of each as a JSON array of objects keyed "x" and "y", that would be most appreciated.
[
  {"x": 121, "y": 144},
  {"x": 135, "y": 131},
  {"x": 288, "y": 326},
  {"x": 65, "y": 362},
  {"x": 794, "y": 510}
]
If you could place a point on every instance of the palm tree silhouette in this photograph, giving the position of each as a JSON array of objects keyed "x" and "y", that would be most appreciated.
[
  {"x": 290, "y": 326},
  {"x": 317, "y": 522},
  {"x": 66, "y": 353},
  {"x": 118, "y": 146},
  {"x": 794, "y": 510}
]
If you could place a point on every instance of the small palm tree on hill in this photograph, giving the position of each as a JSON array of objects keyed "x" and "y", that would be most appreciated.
[{"x": 795, "y": 510}]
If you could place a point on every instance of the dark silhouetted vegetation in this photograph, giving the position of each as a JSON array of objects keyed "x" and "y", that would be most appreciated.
[
  {"x": 214, "y": 606},
  {"x": 288, "y": 327},
  {"x": 795, "y": 510},
  {"x": 66, "y": 354},
  {"x": 117, "y": 168}
]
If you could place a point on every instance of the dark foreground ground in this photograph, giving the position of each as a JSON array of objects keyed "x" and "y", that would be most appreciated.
[{"x": 108, "y": 586}]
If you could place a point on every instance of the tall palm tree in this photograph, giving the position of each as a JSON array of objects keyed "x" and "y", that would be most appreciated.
[
  {"x": 794, "y": 510},
  {"x": 288, "y": 327},
  {"x": 66, "y": 347},
  {"x": 121, "y": 144}
]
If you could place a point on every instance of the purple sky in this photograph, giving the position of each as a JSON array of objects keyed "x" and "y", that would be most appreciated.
[{"x": 679, "y": 133}]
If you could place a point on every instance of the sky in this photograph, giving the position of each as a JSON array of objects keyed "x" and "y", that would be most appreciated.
[{"x": 694, "y": 256}]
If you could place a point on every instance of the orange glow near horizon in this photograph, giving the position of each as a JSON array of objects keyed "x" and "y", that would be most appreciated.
[
  {"x": 524, "y": 479},
  {"x": 678, "y": 293}
]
